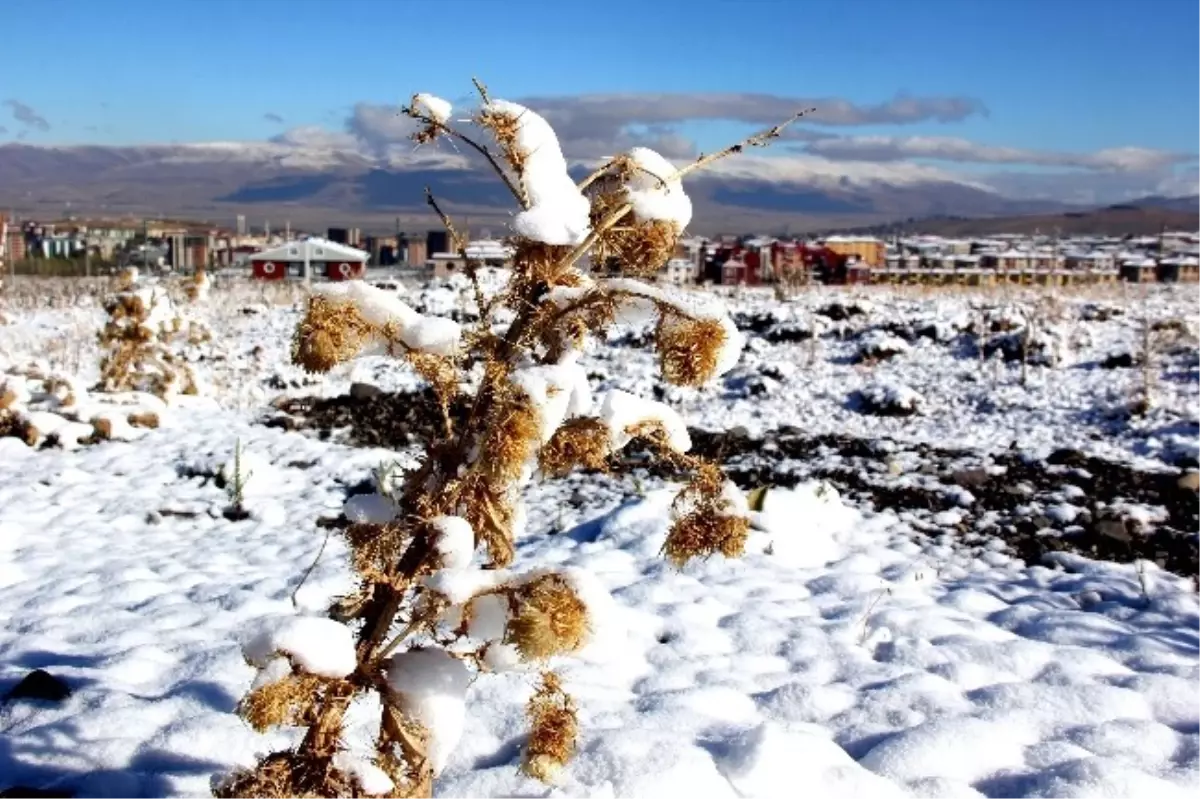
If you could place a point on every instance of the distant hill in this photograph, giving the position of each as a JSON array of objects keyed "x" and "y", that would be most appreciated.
[
  {"x": 1145, "y": 217},
  {"x": 307, "y": 185}
]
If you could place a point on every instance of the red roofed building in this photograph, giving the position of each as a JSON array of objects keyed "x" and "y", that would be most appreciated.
[{"x": 324, "y": 258}]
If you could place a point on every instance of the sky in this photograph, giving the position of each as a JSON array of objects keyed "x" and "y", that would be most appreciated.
[{"x": 1022, "y": 90}]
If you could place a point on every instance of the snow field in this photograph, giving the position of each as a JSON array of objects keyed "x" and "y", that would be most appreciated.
[{"x": 844, "y": 650}]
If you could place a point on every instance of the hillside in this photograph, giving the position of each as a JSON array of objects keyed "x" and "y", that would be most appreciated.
[{"x": 1144, "y": 218}]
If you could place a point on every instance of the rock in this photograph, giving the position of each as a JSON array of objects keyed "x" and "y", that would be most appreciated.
[
  {"x": 1190, "y": 481},
  {"x": 970, "y": 478},
  {"x": 364, "y": 391},
  {"x": 39, "y": 684},
  {"x": 1120, "y": 360},
  {"x": 1067, "y": 457},
  {"x": 1114, "y": 529}
]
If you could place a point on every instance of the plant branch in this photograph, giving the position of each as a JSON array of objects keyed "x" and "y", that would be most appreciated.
[
  {"x": 442, "y": 127},
  {"x": 313, "y": 565},
  {"x": 760, "y": 139},
  {"x": 482, "y": 89},
  {"x": 460, "y": 244}
]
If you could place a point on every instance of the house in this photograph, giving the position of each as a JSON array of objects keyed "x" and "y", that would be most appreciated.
[
  {"x": 679, "y": 272},
  {"x": 866, "y": 249},
  {"x": 322, "y": 257},
  {"x": 1176, "y": 269},
  {"x": 1139, "y": 270},
  {"x": 734, "y": 271},
  {"x": 1012, "y": 260}
]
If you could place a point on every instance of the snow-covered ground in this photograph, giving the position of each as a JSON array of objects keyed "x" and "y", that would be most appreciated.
[{"x": 850, "y": 651}]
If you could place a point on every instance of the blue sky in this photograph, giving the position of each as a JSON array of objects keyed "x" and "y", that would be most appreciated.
[
  {"x": 1054, "y": 74},
  {"x": 1058, "y": 76}
]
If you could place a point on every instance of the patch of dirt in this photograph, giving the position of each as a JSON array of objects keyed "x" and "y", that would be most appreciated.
[
  {"x": 863, "y": 470},
  {"x": 1002, "y": 496},
  {"x": 390, "y": 421}
]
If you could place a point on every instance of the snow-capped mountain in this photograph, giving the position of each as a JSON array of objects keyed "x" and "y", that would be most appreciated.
[{"x": 244, "y": 176}]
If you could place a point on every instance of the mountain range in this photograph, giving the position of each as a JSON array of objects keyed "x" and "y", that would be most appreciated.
[{"x": 316, "y": 186}]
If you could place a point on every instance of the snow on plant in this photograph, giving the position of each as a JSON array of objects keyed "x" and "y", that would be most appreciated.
[
  {"x": 41, "y": 406},
  {"x": 142, "y": 341},
  {"x": 197, "y": 289},
  {"x": 425, "y": 617}
]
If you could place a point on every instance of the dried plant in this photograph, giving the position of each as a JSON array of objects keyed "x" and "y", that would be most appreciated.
[
  {"x": 423, "y": 620},
  {"x": 143, "y": 340},
  {"x": 554, "y": 727}
]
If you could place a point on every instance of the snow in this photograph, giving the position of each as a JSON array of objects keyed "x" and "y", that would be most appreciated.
[
  {"x": 558, "y": 212},
  {"x": 891, "y": 394},
  {"x": 556, "y": 391},
  {"x": 373, "y": 780},
  {"x": 656, "y": 191},
  {"x": 867, "y": 652},
  {"x": 622, "y": 411},
  {"x": 432, "y": 687},
  {"x": 455, "y": 542},
  {"x": 435, "y": 108},
  {"x": 803, "y": 525},
  {"x": 314, "y": 644},
  {"x": 370, "y": 509},
  {"x": 384, "y": 309}
]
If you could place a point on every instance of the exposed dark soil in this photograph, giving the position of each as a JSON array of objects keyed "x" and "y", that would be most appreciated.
[
  {"x": 859, "y": 468},
  {"x": 390, "y": 421},
  {"x": 1007, "y": 497}
]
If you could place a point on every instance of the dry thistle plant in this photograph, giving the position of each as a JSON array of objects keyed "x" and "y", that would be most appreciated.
[
  {"x": 142, "y": 338},
  {"x": 424, "y": 619}
]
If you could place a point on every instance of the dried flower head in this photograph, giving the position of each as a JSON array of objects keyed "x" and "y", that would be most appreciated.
[
  {"x": 513, "y": 430},
  {"x": 375, "y": 549},
  {"x": 289, "y": 701},
  {"x": 554, "y": 727},
  {"x": 688, "y": 349},
  {"x": 706, "y": 520},
  {"x": 548, "y": 619},
  {"x": 330, "y": 333},
  {"x": 579, "y": 443},
  {"x": 703, "y": 533},
  {"x": 505, "y": 127}
]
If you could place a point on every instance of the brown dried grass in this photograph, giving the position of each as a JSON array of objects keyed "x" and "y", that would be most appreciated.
[
  {"x": 287, "y": 774},
  {"x": 438, "y": 370},
  {"x": 289, "y": 701},
  {"x": 147, "y": 420},
  {"x": 488, "y": 510},
  {"x": 13, "y": 424},
  {"x": 554, "y": 729}
]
